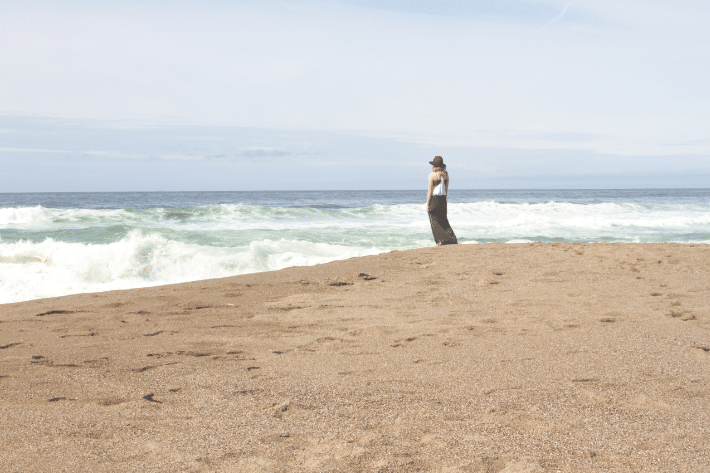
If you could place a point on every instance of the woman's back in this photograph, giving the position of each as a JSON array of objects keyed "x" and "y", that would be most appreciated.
[{"x": 439, "y": 179}]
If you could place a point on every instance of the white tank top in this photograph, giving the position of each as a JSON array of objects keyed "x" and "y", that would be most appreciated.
[{"x": 440, "y": 189}]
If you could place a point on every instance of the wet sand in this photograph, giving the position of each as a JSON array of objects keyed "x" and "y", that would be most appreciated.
[{"x": 478, "y": 358}]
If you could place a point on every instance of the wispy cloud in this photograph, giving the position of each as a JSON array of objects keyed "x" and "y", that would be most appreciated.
[
  {"x": 181, "y": 157},
  {"x": 560, "y": 15},
  {"x": 262, "y": 153},
  {"x": 33, "y": 150}
]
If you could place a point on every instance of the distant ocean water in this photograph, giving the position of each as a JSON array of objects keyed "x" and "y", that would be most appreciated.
[{"x": 54, "y": 244}]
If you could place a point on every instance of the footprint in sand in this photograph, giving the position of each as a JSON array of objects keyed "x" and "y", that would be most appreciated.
[
  {"x": 152, "y": 334},
  {"x": 683, "y": 315},
  {"x": 277, "y": 409},
  {"x": 45, "y": 362},
  {"x": 92, "y": 334},
  {"x": 97, "y": 363},
  {"x": 585, "y": 380},
  {"x": 116, "y": 305},
  {"x": 329, "y": 344},
  {"x": 53, "y": 312},
  {"x": 193, "y": 353},
  {"x": 340, "y": 283},
  {"x": 150, "y": 367},
  {"x": 366, "y": 277},
  {"x": 149, "y": 397},
  {"x": 112, "y": 401},
  {"x": 400, "y": 342}
]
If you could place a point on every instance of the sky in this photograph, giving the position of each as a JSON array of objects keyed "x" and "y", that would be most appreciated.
[{"x": 357, "y": 94}]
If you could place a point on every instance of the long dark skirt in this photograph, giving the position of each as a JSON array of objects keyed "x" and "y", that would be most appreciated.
[{"x": 443, "y": 234}]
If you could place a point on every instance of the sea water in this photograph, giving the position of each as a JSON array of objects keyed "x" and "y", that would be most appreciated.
[{"x": 54, "y": 244}]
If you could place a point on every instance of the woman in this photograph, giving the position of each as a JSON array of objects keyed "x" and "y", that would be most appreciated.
[{"x": 436, "y": 203}]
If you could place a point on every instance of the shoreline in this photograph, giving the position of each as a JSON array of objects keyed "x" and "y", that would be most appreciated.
[
  {"x": 355, "y": 257},
  {"x": 520, "y": 357}
]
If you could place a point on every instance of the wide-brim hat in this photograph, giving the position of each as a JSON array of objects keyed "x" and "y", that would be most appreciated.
[{"x": 438, "y": 161}]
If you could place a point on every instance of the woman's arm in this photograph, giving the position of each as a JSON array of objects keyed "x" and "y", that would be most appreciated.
[
  {"x": 447, "y": 185},
  {"x": 430, "y": 190}
]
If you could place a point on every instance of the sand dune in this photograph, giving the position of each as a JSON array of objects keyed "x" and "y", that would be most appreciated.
[{"x": 483, "y": 358}]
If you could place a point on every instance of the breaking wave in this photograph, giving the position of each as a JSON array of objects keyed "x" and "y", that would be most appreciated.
[{"x": 47, "y": 252}]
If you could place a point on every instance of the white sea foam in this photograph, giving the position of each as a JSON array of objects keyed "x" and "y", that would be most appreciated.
[
  {"x": 52, "y": 268},
  {"x": 22, "y": 215},
  {"x": 66, "y": 251},
  {"x": 488, "y": 214},
  {"x": 622, "y": 222}
]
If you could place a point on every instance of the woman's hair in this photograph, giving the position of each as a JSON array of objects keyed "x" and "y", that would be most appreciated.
[{"x": 441, "y": 170}]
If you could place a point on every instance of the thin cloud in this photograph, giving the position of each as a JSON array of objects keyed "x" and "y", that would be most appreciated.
[
  {"x": 262, "y": 153},
  {"x": 562, "y": 13},
  {"x": 38, "y": 151},
  {"x": 33, "y": 150},
  {"x": 181, "y": 157}
]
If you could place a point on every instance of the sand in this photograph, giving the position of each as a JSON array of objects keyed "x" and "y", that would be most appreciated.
[{"x": 484, "y": 358}]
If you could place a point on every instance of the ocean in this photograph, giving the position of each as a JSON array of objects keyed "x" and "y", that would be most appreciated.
[{"x": 54, "y": 244}]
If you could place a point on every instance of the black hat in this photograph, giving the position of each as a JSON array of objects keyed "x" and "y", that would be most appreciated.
[{"x": 438, "y": 161}]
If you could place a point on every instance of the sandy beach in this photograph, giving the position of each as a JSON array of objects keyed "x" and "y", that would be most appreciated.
[{"x": 505, "y": 358}]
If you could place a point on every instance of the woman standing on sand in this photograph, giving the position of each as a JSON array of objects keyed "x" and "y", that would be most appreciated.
[{"x": 436, "y": 203}]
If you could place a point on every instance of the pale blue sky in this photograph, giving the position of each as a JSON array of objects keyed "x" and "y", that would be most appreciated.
[{"x": 159, "y": 95}]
